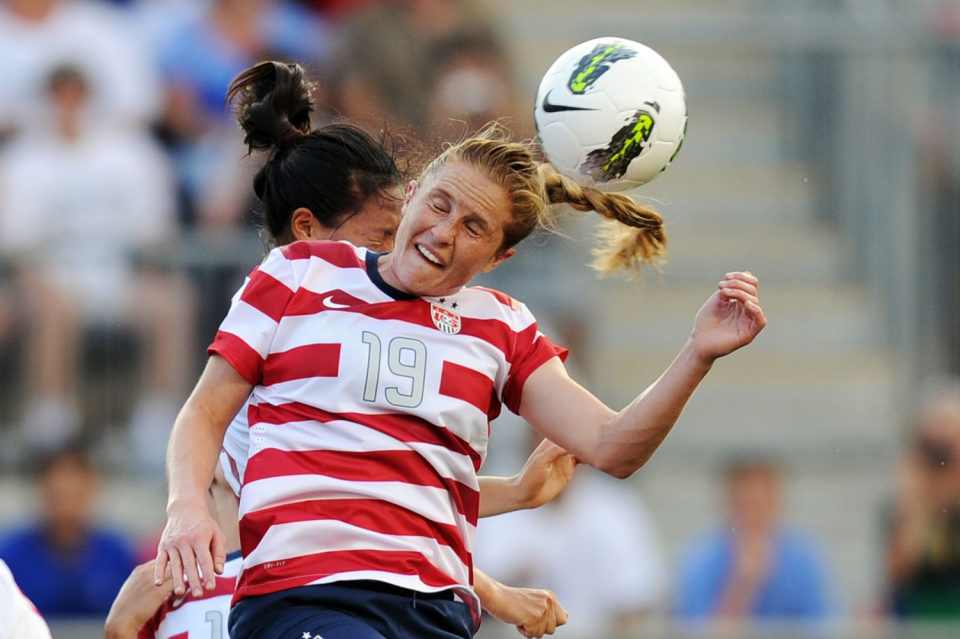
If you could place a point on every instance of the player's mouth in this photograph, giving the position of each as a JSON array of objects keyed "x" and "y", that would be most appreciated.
[{"x": 429, "y": 255}]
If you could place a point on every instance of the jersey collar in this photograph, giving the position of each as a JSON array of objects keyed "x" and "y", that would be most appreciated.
[{"x": 374, "y": 274}]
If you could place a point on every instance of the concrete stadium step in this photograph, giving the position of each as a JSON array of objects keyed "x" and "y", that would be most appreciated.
[
  {"x": 848, "y": 410},
  {"x": 810, "y": 320},
  {"x": 734, "y": 192},
  {"x": 804, "y": 255}
]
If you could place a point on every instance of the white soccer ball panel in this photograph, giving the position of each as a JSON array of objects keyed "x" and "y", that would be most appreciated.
[
  {"x": 631, "y": 87},
  {"x": 659, "y": 70},
  {"x": 565, "y": 148},
  {"x": 672, "y": 116}
]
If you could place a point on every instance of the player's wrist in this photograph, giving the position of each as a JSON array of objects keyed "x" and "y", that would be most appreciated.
[
  {"x": 692, "y": 353},
  {"x": 185, "y": 503},
  {"x": 522, "y": 494}
]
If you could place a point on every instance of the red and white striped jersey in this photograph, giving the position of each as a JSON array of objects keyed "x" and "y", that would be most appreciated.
[
  {"x": 236, "y": 449},
  {"x": 186, "y": 617},
  {"x": 368, "y": 420}
]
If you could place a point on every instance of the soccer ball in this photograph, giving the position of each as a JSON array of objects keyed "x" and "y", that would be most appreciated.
[{"x": 611, "y": 113}]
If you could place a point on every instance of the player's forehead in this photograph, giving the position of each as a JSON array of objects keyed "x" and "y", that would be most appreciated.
[
  {"x": 380, "y": 211},
  {"x": 470, "y": 189}
]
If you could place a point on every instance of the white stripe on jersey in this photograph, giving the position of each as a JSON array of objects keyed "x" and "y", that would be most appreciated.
[
  {"x": 257, "y": 328},
  {"x": 431, "y": 503},
  {"x": 287, "y": 541},
  {"x": 344, "y": 436}
]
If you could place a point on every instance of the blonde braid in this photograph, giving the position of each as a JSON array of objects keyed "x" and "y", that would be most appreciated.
[{"x": 631, "y": 234}]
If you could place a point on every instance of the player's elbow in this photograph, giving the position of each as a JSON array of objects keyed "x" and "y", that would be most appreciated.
[
  {"x": 614, "y": 465},
  {"x": 118, "y": 629},
  {"x": 620, "y": 470}
]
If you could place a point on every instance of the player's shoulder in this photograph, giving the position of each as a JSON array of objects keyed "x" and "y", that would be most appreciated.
[
  {"x": 339, "y": 254},
  {"x": 497, "y": 296},
  {"x": 486, "y": 303}
]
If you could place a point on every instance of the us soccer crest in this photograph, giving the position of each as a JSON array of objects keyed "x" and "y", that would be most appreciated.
[{"x": 446, "y": 321}]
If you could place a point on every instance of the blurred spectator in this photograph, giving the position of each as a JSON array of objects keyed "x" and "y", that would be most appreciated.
[
  {"x": 37, "y": 36},
  {"x": 412, "y": 61},
  {"x": 342, "y": 8},
  {"x": 594, "y": 546},
  {"x": 753, "y": 568},
  {"x": 923, "y": 552},
  {"x": 65, "y": 564},
  {"x": 76, "y": 199},
  {"x": 470, "y": 86},
  {"x": 199, "y": 57}
]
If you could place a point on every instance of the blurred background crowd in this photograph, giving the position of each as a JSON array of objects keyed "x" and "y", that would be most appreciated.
[{"x": 811, "y": 489}]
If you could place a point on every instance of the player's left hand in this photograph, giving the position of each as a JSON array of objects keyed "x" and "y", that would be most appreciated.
[
  {"x": 730, "y": 318},
  {"x": 545, "y": 474},
  {"x": 192, "y": 545}
]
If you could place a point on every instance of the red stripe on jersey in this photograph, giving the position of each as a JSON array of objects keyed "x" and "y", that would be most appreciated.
[
  {"x": 267, "y": 294},
  {"x": 404, "y": 428},
  {"x": 336, "y": 253},
  {"x": 311, "y": 360},
  {"x": 244, "y": 359},
  {"x": 473, "y": 387},
  {"x": 369, "y": 514},
  {"x": 404, "y": 466},
  {"x": 300, "y": 571},
  {"x": 308, "y": 303}
]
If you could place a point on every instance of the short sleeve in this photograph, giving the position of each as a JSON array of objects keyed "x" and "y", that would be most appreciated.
[
  {"x": 248, "y": 330},
  {"x": 533, "y": 350}
]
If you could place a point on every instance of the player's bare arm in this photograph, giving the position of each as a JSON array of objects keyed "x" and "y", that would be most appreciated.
[
  {"x": 137, "y": 601},
  {"x": 543, "y": 477},
  {"x": 192, "y": 537},
  {"x": 619, "y": 443}
]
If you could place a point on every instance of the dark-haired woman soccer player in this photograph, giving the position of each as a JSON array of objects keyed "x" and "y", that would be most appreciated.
[
  {"x": 374, "y": 377},
  {"x": 335, "y": 182}
]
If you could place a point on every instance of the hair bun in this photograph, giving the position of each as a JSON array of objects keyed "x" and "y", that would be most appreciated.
[{"x": 273, "y": 104}]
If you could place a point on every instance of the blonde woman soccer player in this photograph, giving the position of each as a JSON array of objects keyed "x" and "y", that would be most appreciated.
[
  {"x": 332, "y": 183},
  {"x": 374, "y": 377}
]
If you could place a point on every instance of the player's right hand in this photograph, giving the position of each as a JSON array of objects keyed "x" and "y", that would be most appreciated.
[
  {"x": 545, "y": 474},
  {"x": 534, "y": 612},
  {"x": 136, "y": 602},
  {"x": 193, "y": 545}
]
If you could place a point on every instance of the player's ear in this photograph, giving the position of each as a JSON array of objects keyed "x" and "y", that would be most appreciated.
[
  {"x": 411, "y": 189},
  {"x": 304, "y": 225},
  {"x": 498, "y": 260}
]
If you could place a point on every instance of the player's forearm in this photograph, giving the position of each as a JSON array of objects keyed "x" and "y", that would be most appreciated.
[
  {"x": 192, "y": 456},
  {"x": 615, "y": 443},
  {"x": 486, "y": 589},
  {"x": 500, "y": 495},
  {"x": 199, "y": 429},
  {"x": 626, "y": 442}
]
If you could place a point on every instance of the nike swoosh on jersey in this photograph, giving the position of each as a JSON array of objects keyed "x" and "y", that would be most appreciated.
[
  {"x": 329, "y": 303},
  {"x": 549, "y": 107}
]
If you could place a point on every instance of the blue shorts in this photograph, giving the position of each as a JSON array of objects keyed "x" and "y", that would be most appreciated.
[{"x": 351, "y": 610}]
